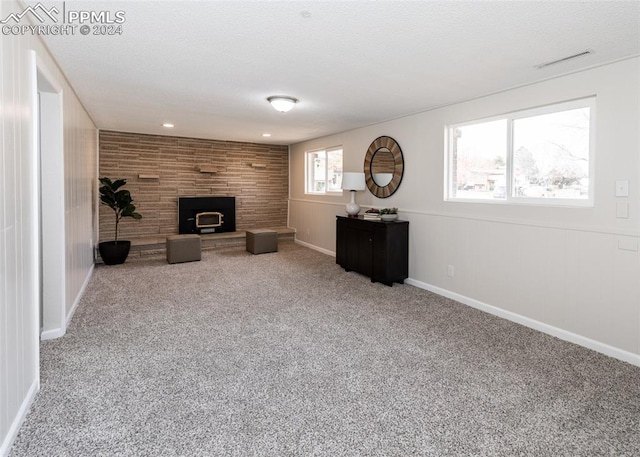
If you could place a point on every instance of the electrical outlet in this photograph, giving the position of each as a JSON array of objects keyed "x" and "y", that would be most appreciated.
[{"x": 451, "y": 271}]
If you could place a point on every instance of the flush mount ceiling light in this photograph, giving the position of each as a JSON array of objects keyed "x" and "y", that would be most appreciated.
[
  {"x": 282, "y": 103},
  {"x": 168, "y": 125}
]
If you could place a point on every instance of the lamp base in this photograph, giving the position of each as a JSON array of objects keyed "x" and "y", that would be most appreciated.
[{"x": 352, "y": 207}]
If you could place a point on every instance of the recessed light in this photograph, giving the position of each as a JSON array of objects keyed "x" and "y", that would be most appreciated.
[
  {"x": 305, "y": 14},
  {"x": 266, "y": 134},
  {"x": 168, "y": 125}
]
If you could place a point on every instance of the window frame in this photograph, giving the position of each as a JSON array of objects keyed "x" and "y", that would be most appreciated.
[
  {"x": 307, "y": 170},
  {"x": 510, "y": 199}
]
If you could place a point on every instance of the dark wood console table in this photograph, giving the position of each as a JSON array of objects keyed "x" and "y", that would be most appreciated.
[{"x": 376, "y": 249}]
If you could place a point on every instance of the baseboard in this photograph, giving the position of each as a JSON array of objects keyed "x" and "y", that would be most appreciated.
[
  {"x": 76, "y": 302},
  {"x": 611, "y": 351},
  {"x": 315, "y": 248},
  {"x": 52, "y": 334},
  {"x": 19, "y": 419}
]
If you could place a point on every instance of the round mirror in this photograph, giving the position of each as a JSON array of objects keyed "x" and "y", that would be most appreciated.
[{"x": 383, "y": 167}]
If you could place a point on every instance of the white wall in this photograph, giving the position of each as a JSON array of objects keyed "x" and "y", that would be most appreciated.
[
  {"x": 19, "y": 314},
  {"x": 556, "y": 269}
]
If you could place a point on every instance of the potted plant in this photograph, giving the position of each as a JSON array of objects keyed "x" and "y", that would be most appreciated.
[
  {"x": 119, "y": 200},
  {"x": 389, "y": 214}
]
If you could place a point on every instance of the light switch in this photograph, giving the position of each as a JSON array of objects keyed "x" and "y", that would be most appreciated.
[
  {"x": 622, "y": 210},
  {"x": 622, "y": 188}
]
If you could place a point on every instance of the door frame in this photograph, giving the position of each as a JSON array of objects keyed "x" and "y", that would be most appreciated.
[{"x": 49, "y": 196}]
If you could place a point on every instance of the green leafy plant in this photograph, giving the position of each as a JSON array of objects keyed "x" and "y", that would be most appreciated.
[
  {"x": 118, "y": 199},
  {"x": 389, "y": 211}
]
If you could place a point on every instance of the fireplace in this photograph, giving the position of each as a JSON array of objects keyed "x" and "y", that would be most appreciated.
[{"x": 206, "y": 214}]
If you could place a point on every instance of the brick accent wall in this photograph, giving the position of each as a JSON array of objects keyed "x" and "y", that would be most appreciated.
[{"x": 256, "y": 174}]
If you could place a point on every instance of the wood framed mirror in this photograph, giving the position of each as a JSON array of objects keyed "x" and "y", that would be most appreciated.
[{"x": 383, "y": 166}]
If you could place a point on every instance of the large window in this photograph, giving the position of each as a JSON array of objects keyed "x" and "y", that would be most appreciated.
[
  {"x": 324, "y": 171},
  {"x": 543, "y": 155}
]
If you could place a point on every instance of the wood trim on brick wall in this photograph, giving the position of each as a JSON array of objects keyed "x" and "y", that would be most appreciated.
[{"x": 261, "y": 193}]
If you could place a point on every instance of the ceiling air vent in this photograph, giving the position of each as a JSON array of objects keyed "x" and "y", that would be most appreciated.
[{"x": 564, "y": 59}]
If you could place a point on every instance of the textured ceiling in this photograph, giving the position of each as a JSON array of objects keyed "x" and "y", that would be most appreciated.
[{"x": 208, "y": 67}]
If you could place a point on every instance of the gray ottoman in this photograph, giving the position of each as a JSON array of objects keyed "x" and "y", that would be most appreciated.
[
  {"x": 260, "y": 241},
  {"x": 183, "y": 248}
]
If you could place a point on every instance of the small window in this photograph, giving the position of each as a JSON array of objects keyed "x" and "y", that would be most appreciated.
[
  {"x": 324, "y": 171},
  {"x": 544, "y": 155}
]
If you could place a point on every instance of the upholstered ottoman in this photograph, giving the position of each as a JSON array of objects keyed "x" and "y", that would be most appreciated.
[
  {"x": 260, "y": 241},
  {"x": 183, "y": 248}
]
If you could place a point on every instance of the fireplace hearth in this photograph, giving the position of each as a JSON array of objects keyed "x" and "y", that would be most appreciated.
[{"x": 203, "y": 215}]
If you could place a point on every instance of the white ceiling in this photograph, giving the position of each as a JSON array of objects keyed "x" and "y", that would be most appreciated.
[{"x": 208, "y": 67}]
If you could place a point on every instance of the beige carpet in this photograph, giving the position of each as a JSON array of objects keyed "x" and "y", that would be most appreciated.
[{"x": 285, "y": 354}]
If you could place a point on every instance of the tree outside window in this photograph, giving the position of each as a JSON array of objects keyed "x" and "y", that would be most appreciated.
[
  {"x": 324, "y": 171},
  {"x": 540, "y": 154}
]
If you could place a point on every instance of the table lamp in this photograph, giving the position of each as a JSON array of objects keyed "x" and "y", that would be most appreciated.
[{"x": 353, "y": 182}]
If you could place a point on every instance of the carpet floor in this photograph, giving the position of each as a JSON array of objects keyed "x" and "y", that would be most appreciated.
[{"x": 286, "y": 354}]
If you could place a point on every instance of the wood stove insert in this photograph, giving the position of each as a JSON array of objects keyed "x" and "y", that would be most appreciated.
[{"x": 203, "y": 215}]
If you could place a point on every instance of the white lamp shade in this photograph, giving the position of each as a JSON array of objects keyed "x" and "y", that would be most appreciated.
[{"x": 353, "y": 181}]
